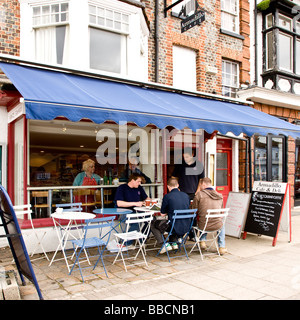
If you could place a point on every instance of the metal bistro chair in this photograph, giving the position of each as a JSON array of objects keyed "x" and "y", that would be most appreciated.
[
  {"x": 211, "y": 214},
  {"x": 86, "y": 243},
  {"x": 178, "y": 216},
  {"x": 143, "y": 219},
  {"x": 25, "y": 209},
  {"x": 77, "y": 206}
]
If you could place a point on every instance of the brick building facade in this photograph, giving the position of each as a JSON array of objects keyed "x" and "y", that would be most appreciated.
[
  {"x": 208, "y": 41},
  {"x": 10, "y": 27}
]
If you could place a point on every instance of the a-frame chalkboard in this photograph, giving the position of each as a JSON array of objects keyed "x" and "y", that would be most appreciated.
[
  {"x": 15, "y": 240},
  {"x": 269, "y": 204}
]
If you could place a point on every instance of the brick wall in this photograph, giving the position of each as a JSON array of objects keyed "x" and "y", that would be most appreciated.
[
  {"x": 10, "y": 27},
  {"x": 207, "y": 40}
]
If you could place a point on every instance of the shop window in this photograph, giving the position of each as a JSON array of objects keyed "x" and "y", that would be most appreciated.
[
  {"x": 230, "y": 78},
  {"x": 269, "y": 158},
  {"x": 50, "y": 23},
  {"x": 229, "y": 15}
]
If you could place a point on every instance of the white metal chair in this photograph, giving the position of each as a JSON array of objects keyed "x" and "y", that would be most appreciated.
[
  {"x": 22, "y": 210},
  {"x": 211, "y": 214},
  {"x": 143, "y": 219}
]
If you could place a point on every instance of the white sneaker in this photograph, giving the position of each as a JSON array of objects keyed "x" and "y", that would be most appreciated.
[
  {"x": 174, "y": 246},
  {"x": 166, "y": 247}
]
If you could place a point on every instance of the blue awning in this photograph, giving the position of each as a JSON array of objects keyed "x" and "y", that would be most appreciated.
[{"x": 49, "y": 94}]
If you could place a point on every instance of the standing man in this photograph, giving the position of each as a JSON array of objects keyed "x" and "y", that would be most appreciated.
[
  {"x": 189, "y": 172},
  {"x": 174, "y": 200},
  {"x": 208, "y": 198}
]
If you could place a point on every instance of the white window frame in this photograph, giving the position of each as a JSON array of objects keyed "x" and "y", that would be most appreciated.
[
  {"x": 109, "y": 22},
  {"x": 45, "y": 32},
  {"x": 78, "y": 35},
  {"x": 226, "y": 14},
  {"x": 291, "y": 49},
  {"x": 50, "y": 14},
  {"x": 232, "y": 87}
]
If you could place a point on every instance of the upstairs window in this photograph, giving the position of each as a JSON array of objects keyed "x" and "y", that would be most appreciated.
[
  {"x": 50, "y": 23},
  {"x": 229, "y": 15},
  {"x": 282, "y": 43},
  {"x": 108, "y": 39},
  {"x": 230, "y": 78}
]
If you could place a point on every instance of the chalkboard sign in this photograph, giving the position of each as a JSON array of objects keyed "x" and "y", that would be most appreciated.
[
  {"x": 238, "y": 203},
  {"x": 15, "y": 240},
  {"x": 266, "y": 207}
]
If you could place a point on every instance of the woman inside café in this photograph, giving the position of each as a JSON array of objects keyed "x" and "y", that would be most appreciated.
[{"x": 86, "y": 178}]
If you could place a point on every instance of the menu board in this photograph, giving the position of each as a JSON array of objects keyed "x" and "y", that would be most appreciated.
[
  {"x": 266, "y": 207},
  {"x": 238, "y": 203}
]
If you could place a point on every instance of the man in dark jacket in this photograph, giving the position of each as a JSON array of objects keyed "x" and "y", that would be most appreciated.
[
  {"x": 208, "y": 198},
  {"x": 174, "y": 200}
]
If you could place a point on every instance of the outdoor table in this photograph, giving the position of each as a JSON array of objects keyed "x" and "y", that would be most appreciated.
[
  {"x": 64, "y": 232},
  {"x": 121, "y": 212}
]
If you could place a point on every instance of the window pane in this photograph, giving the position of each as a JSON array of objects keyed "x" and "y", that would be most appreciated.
[
  {"x": 260, "y": 160},
  {"x": 60, "y": 43},
  {"x": 230, "y": 78},
  {"x": 285, "y": 22},
  {"x": 105, "y": 50},
  {"x": 277, "y": 159},
  {"x": 270, "y": 54},
  {"x": 269, "y": 19},
  {"x": 298, "y": 57},
  {"x": 285, "y": 50}
]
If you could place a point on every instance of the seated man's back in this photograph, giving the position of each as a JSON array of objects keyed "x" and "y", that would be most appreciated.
[{"x": 176, "y": 200}]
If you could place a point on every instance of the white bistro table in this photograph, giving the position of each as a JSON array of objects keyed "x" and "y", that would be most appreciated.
[{"x": 64, "y": 231}]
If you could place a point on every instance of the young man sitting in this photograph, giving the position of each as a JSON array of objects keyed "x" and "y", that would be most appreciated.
[
  {"x": 208, "y": 198},
  {"x": 174, "y": 200}
]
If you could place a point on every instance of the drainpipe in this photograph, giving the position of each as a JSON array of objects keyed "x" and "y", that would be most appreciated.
[
  {"x": 255, "y": 45},
  {"x": 156, "y": 41}
]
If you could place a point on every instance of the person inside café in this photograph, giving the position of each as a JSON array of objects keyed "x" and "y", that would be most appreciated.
[
  {"x": 174, "y": 200},
  {"x": 133, "y": 167},
  {"x": 131, "y": 195},
  {"x": 86, "y": 178},
  {"x": 188, "y": 173},
  {"x": 208, "y": 198}
]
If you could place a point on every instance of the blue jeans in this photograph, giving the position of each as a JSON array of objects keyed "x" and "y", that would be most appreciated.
[{"x": 221, "y": 238}]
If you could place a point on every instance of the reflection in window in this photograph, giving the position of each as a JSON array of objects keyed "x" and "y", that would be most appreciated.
[
  {"x": 269, "y": 164},
  {"x": 107, "y": 51},
  {"x": 285, "y": 50}
]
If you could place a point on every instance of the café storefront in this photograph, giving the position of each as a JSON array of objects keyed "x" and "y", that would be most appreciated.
[{"x": 65, "y": 117}]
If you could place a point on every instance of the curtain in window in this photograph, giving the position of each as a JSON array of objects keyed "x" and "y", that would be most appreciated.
[{"x": 51, "y": 45}]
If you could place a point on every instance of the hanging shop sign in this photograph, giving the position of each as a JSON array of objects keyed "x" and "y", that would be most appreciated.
[{"x": 195, "y": 19}]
